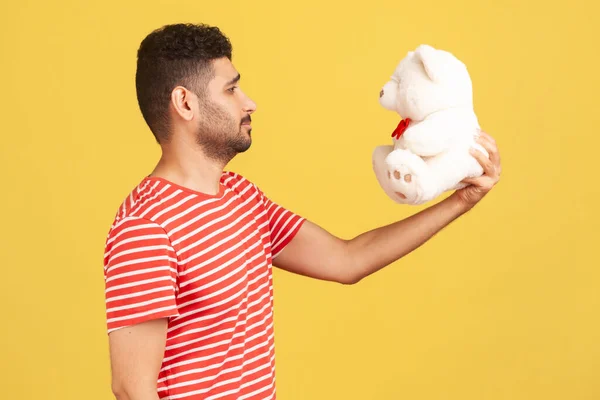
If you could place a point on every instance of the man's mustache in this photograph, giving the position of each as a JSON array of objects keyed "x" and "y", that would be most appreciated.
[{"x": 246, "y": 119}]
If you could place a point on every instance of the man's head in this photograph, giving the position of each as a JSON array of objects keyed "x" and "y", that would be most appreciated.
[{"x": 187, "y": 85}]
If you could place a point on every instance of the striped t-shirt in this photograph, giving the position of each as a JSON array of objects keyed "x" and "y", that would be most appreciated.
[{"x": 205, "y": 263}]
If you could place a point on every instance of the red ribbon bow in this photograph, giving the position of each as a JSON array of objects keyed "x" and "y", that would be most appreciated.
[{"x": 401, "y": 128}]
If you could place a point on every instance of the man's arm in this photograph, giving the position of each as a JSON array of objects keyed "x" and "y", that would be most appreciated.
[
  {"x": 141, "y": 285},
  {"x": 316, "y": 253},
  {"x": 136, "y": 354}
]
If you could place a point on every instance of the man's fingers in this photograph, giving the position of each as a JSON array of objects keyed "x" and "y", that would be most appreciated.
[
  {"x": 487, "y": 137},
  {"x": 489, "y": 144},
  {"x": 491, "y": 166},
  {"x": 483, "y": 183},
  {"x": 470, "y": 181},
  {"x": 487, "y": 165}
]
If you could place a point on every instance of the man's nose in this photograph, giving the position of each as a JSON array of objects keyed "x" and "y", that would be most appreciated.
[{"x": 250, "y": 106}]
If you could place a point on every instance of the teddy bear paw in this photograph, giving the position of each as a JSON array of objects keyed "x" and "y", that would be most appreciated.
[
  {"x": 406, "y": 174},
  {"x": 403, "y": 182}
]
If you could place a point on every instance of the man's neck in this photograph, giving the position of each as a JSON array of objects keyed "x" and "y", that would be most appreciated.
[{"x": 189, "y": 167}]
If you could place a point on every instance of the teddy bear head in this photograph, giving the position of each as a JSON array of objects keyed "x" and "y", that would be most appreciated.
[{"x": 425, "y": 81}]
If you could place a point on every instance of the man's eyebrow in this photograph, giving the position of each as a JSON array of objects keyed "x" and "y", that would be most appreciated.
[{"x": 234, "y": 80}]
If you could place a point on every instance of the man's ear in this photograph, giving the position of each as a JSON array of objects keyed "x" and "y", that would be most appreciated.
[
  {"x": 432, "y": 62},
  {"x": 184, "y": 102}
]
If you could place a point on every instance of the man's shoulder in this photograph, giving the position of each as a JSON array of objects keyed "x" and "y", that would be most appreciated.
[
  {"x": 149, "y": 201},
  {"x": 141, "y": 203},
  {"x": 230, "y": 178},
  {"x": 239, "y": 183}
]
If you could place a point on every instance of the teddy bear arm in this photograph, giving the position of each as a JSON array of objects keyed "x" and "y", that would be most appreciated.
[{"x": 428, "y": 138}]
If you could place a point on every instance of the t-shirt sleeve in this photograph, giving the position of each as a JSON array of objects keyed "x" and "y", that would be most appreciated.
[
  {"x": 140, "y": 274},
  {"x": 283, "y": 224}
]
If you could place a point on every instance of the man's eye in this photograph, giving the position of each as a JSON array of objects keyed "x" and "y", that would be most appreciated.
[{"x": 232, "y": 89}]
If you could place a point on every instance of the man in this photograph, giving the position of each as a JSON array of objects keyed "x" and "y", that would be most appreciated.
[{"x": 188, "y": 258}]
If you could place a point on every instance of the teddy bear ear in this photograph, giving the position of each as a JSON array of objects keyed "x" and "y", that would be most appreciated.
[{"x": 432, "y": 63}]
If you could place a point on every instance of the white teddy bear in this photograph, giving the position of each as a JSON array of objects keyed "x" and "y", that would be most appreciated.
[{"x": 432, "y": 90}]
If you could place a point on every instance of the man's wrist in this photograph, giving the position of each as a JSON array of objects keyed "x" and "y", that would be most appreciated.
[{"x": 458, "y": 205}]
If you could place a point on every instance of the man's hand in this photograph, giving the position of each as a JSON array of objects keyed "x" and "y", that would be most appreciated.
[{"x": 480, "y": 186}]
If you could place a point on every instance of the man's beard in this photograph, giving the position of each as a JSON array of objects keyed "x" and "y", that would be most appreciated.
[{"x": 219, "y": 135}]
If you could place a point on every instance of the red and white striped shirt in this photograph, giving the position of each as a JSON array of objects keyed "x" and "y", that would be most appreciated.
[{"x": 205, "y": 263}]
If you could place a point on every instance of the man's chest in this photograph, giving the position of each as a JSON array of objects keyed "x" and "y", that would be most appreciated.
[{"x": 224, "y": 259}]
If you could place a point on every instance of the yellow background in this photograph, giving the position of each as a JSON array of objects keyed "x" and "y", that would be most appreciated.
[{"x": 503, "y": 304}]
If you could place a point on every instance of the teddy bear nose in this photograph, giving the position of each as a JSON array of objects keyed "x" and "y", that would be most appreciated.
[{"x": 381, "y": 93}]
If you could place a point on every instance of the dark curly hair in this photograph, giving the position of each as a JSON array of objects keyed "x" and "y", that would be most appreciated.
[{"x": 173, "y": 55}]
